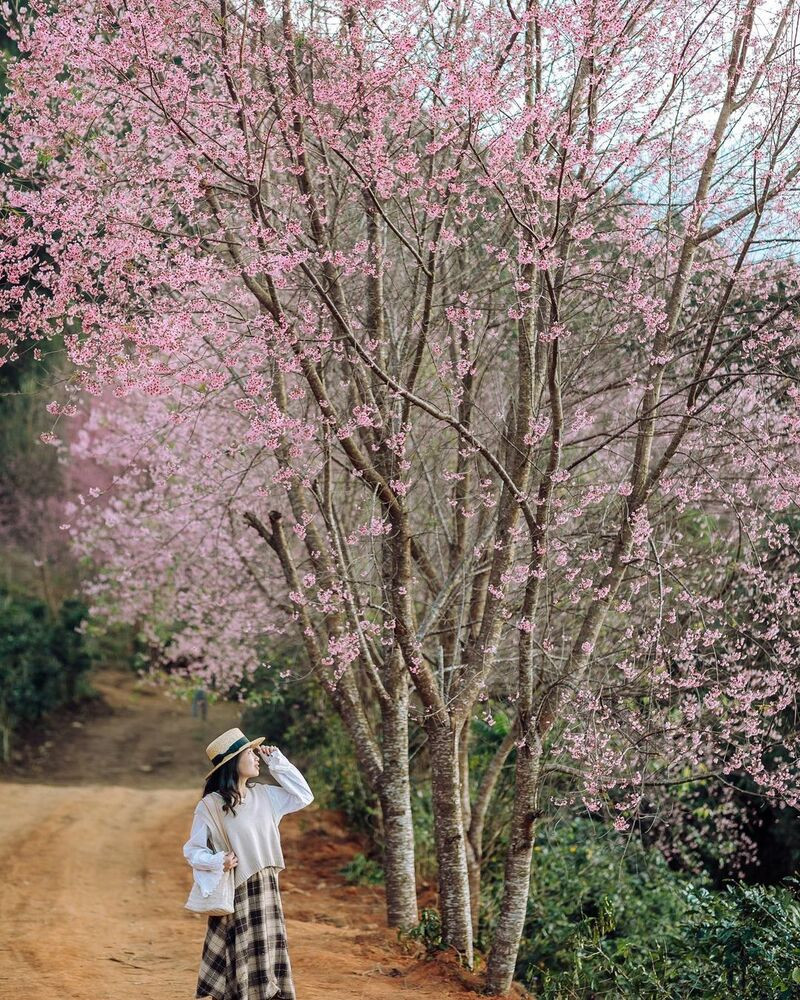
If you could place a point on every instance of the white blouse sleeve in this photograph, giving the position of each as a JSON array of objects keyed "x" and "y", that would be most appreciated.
[
  {"x": 206, "y": 864},
  {"x": 293, "y": 792}
]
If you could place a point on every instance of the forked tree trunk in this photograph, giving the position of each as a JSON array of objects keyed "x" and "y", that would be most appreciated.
[{"x": 448, "y": 828}]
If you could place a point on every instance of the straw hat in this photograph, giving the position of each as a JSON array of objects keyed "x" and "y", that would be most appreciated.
[{"x": 228, "y": 745}]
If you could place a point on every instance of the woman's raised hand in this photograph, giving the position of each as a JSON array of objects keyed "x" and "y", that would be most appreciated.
[
  {"x": 229, "y": 861},
  {"x": 265, "y": 751}
]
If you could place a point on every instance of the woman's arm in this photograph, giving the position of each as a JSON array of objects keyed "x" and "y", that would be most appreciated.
[
  {"x": 206, "y": 864},
  {"x": 293, "y": 792}
]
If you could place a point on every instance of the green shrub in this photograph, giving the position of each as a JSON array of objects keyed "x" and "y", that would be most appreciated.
[
  {"x": 42, "y": 660},
  {"x": 117, "y": 645},
  {"x": 361, "y": 870},
  {"x": 742, "y": 942},
  {"x": 609, "y": 918},
  {"x": 428, "y": 931},
  {"x": 595, "y": 909}
]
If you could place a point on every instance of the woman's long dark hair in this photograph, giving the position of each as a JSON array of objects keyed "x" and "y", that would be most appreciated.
[{"x": 225, "y": 780}]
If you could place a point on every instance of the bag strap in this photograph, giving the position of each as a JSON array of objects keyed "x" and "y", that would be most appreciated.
[{"x": 216, "y": 815}]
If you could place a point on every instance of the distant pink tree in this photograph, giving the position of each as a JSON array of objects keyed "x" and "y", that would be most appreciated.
[
  {"x": 161, "y": 534},
  {"x": 494, "y": 309}
]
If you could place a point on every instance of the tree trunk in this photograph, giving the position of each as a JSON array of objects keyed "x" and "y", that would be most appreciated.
[
  {"x": 451, "y": 855},
  {"x": 517, "y": 876},
  {"x": 467, "y": 818},
  {"x": 398, "y": 828},
  {"x": 479, "y": 810},
  {"x": 474, "y": 876}
]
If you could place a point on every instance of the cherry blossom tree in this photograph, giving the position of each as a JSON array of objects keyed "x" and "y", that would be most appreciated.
[{"x": 483, "y": 322}]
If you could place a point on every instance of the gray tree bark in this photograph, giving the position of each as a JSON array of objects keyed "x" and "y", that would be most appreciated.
[
  {"x": 398, "y": 828},
  {"x": 517, "y": 874},
  {"x": 451, "y": 854}
]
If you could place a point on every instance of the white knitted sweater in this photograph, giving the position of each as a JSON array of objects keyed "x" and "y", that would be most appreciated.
[{"x": 252, "y": 832}]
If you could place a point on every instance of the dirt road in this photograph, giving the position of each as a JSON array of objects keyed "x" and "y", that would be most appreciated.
[{"x": 93, "y": 880}]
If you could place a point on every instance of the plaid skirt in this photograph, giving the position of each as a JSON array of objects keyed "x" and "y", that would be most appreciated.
[{"x": 245, "y": 956}]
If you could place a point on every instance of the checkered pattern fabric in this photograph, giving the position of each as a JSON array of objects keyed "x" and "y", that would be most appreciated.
[{"x": 245, "y": 956}]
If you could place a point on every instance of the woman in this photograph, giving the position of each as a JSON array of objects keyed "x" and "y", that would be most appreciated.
[{"x": 245, "y": 954}]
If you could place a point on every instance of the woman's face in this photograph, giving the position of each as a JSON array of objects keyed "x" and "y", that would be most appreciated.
[{"x": 248, "y": 763}]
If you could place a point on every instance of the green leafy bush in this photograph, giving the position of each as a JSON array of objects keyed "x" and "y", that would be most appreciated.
[
  {"x": 742, "y": 942},
  {"x": 42, "y": 660},
  {"x": 595, "y": 908},
  {"x": 361, "y": 870},
  {"x": 428, "y": 931},
  {"x": 608, "y": 918}
]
